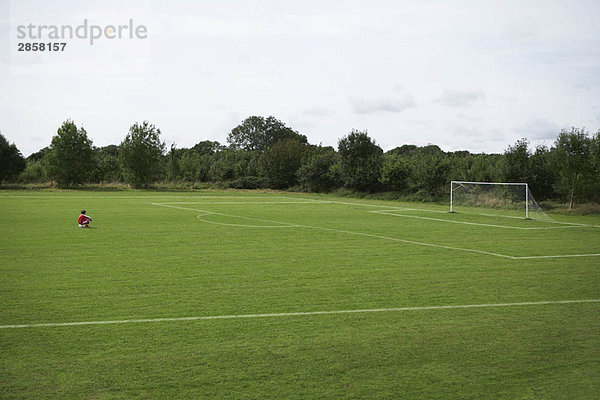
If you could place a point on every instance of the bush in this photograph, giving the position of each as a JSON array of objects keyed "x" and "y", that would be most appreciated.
[
  {"x": 35, "y": 172},
  {"x": 248, "y": 182}
]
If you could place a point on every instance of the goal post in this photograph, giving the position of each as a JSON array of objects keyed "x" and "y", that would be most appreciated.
[{"x": 513, "y": 196}]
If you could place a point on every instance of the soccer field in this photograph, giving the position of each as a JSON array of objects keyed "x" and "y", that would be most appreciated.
[{"x": 240, "y": 294}]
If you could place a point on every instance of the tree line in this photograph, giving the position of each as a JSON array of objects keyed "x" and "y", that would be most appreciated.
[{"x": 265, "y": 153}]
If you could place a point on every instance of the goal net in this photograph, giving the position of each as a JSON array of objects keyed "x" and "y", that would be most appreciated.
[{"x": 498, "y": 199}]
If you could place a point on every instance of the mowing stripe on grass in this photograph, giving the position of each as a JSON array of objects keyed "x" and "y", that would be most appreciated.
[
  {"x": 296, "y": 314},
  {"x": 199, "y": 217},
  {"x": 399, "y": 208},
  {"x": 441, "y": 246},
  {"x": 205, "y": 212},
  {"x": 189, "y": 196},
  {"x": 246, "y": 202},
  {"x": 394, "y": 214},
  {"x": 558, "y": 256}
]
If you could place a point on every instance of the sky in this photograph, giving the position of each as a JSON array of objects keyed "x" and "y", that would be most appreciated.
[{"x": 465, "y": 75}]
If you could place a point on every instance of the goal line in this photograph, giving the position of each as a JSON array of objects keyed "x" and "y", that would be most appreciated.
[{"x": 484, "y": 194}]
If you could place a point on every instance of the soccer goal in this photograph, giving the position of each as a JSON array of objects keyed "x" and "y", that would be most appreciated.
[{"x": 513, "y": 199}]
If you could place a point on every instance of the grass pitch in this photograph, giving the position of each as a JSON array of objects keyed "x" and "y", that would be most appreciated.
[{"x": 249, "y": 255}]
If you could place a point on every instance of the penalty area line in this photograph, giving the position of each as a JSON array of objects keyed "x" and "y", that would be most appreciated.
[
  {"x": 398, "y": 240},
  {"x": 394, "y": 213},
  {"x": 205, "y": 212},
  {"x": 297, "y": 314}
]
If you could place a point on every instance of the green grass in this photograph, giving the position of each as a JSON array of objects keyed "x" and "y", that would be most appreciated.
[{"x": 143, "y": 260}]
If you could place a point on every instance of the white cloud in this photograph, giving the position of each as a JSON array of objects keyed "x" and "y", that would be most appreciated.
[
  {"x": 377, "y": 104},
  {"x": 474, "y": 76},
  {"x": 318, "y": 111},
  {"x": 539, "y": 129},
  {"x": 522, "y": 28},
  {"x": 460, "y": 97}
]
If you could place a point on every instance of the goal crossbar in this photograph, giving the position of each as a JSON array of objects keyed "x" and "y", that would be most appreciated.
[
  {"x": 524, "y": 184},
  {"x": 493, "y": 183}
]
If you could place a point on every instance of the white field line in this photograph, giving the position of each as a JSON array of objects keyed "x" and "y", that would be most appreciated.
[
  {"x": 42, "y": 197},
  {"x": 348, "y": 203},
  {"x": 205, "y": 212},
  {"x": 181, "y": 208},
  {"x": 440, "y": 246},
  {"x": 298, "y": 314},
  {"x": 503, "y": 216},
  {"x": 443, "y": 212},
  {"x": 236, "y": 197},
  {"x": 558, "y": 256},
  {"x": 425, "y": 210},
  {"x": 393, "y": 213},
  {"x": 272, "y": 197},
  {"x": 346, "y": 232},
  {"x": 575, "y": 224},
  {"x": 245, "y": 202},
  {"x": 244, "y": 225},
  {"x": 572, "y": 223},
  {"x": 399, "y": 208},
  {"x": 451, "y": 247}
]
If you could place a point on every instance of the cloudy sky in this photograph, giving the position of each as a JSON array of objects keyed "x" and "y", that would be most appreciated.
[{"x": 475, "y": 75}]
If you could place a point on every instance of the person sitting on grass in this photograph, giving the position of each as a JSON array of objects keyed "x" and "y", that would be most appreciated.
[{"x": 84, "y": 220}]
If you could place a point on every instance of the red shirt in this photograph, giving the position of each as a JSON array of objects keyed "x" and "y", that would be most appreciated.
[{"x": 82, "y": 219}]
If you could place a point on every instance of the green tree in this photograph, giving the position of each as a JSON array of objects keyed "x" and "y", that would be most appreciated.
[
  {"x": 395, "y": 172},
  {"x": 11, "y": 160},
  {"x": 543, "y": 177},
  {"x": 282, "y": 161},
  {"x": 207, "y": 147},
  {"x": 36, "y": 171},
  {"x": 257, "y": 133},
  {"x": 572, "y": 156},
  {"x": 595, "y": 166},
  {"x": 319, "y": 173},
  {"x": 229, "y": 164},
  {"x": 430, "y": 173},
  {"x": 141, "y": 154},
  {"x": 108, "y": 168},
  {"x": 37, "y": 167},
  {"x": 405, "y": 149},
  {"x": 194, "y": 164},
  {"x": 484, "y": 168},
  {"x": 174, "y": 162},
  {"x": 517, "y": 166},
  {"x": 361, "y": 160},
  {"x": 461, "y": 163},
  {"x": 70, "y": 156},
  {"x": 39, "y": 155}
]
